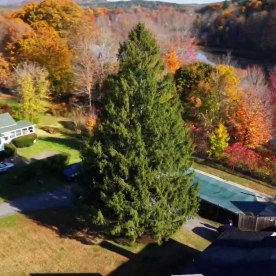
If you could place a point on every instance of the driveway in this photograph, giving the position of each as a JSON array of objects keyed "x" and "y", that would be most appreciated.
[
  {"x": 59, "y": 197},
  {"x": 202, "y": 228}
]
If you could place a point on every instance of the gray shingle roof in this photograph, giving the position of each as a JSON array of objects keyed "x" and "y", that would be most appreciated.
[
  {"x": 7, "y": 123},
  {"x": 6, "y": 120},
  {"x": 18, "y": 125}
]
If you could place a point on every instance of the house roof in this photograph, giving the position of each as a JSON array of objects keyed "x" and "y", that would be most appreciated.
[
  {"x": 6, "y": 120},
  {"x": 237, "y": 253},
  {"x": 18, "y": 125}
]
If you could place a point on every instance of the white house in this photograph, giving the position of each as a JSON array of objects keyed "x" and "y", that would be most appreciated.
[{"x": 9, "y": 129}]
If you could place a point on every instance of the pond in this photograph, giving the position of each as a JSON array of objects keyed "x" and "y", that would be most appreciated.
[{"x": 238, "y": 59}]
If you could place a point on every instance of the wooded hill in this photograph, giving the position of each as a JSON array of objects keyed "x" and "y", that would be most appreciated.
[{"x": 243, "y": 25}]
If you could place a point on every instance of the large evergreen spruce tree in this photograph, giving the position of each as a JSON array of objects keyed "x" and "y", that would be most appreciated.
[{"x": 135, "y": 162}]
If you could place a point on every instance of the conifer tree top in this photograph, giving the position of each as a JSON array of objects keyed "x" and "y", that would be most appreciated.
[{"x": 134, "y": 162}]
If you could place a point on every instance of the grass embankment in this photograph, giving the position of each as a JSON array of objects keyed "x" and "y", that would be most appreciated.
[
  {"x": 51, "y": 241},
  {"x": 236, "y": 177}
]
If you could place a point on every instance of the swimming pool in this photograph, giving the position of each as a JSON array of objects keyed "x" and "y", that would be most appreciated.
[{"x": 231, "y": 197}]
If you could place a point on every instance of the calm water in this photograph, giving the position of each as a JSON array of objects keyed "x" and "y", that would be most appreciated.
[{"x": 214, "y": 57}]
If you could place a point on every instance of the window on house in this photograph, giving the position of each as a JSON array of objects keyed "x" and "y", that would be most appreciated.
[
  {"x": 24, "y": 131},
  {"x": 31, "y": 129},
  {"x": 18, "y": 132},
  {"x": 6, "y": 138},
  {"x": 12, "y": 134}
]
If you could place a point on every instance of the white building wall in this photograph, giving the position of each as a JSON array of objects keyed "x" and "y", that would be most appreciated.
[
  {"x": 1, "y": 144},
  {"x": 9, "y": 136}
]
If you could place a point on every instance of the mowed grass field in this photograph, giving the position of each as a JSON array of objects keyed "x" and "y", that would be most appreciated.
[{"x": 52, "y": 242}]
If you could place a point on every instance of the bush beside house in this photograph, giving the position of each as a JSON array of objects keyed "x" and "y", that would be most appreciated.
[
  {"x": 25, "y": 141},
  {"x": 9, "y": 151}
]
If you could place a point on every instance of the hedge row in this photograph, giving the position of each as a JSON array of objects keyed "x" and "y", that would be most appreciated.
[
  {"x": 52, "y": 164},
  {"x": 24, "y": 141}
]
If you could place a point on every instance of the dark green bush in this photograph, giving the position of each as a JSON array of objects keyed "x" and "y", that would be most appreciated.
[
  {"x": 37, "y": 168},
  {"x": 9, "y": 151},
  {"x": 56, "y": 162},
  {"x": 24, "y": 141}
]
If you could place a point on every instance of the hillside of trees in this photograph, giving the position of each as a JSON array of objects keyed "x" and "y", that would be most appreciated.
[{"x": 247, "y": 25}]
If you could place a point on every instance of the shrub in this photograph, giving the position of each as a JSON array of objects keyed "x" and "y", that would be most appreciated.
[
  {"x": 56, "y": 162},
  {"x": 27, "y": 172},
  {"x": 24, "y": 141},
  {"x": 260, "y": 165},
  {"x": 10, "y": 151},
  {"x": 239, "y": 156},
  {"x": 37, "y": 168}
]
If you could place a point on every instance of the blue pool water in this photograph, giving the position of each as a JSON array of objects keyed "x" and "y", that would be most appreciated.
[{"x": 230, "y": 197}]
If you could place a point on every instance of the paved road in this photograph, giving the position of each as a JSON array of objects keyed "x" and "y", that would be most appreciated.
[{"x": 56, "y": 198}]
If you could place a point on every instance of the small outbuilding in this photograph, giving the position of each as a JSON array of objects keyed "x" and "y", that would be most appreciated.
[{"x": 10, "y": 129}]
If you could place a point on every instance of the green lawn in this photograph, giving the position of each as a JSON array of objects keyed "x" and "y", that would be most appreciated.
[
  {"x": 58, "y": 243},
  {"x": 54, "y": 142}
]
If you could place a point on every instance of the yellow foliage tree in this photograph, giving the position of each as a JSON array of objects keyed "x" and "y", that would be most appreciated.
[
  {"x": 229, "y": 81},
  {"x": 33, "y": 90},
  {"x": 219, "y": 141}
]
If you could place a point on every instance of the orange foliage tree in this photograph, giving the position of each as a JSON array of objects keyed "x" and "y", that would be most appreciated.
[
  {"x": 4, "y": 70},
  {"x": 61, "y": 15},
  {"x": 171, "y": 60},
  {"x": 252, "y": 122},
  {"x": 46, "y": 47}
]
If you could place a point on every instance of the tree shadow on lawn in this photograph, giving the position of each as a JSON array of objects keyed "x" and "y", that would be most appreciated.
[
  {"x": 206, "y": 233},
  {"x": 67, "y": 223},
  {"x": 166, "y": 259},
  {"x": 70, "y": 142}
]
